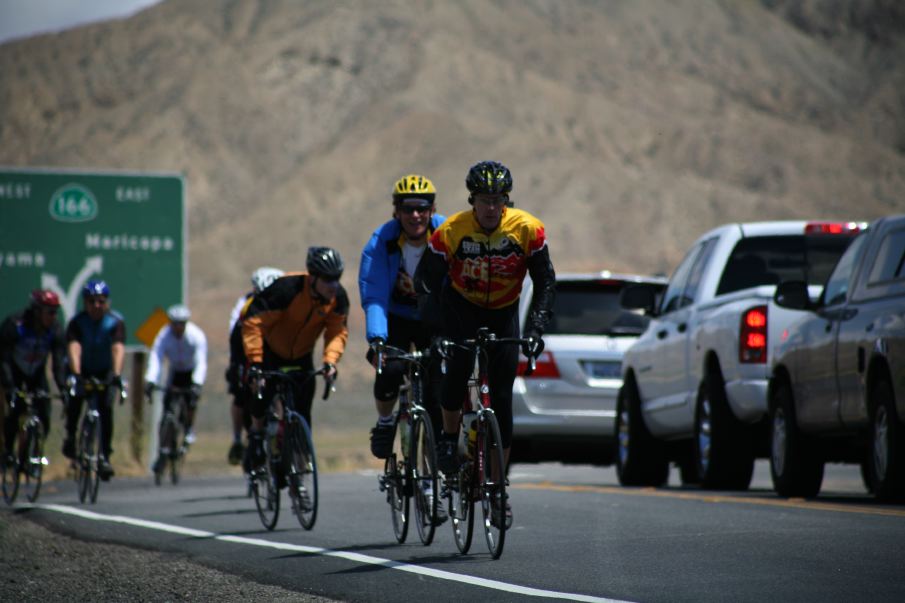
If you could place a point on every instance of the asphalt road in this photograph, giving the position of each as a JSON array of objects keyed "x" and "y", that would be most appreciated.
[{"x": 577, "y": 535}]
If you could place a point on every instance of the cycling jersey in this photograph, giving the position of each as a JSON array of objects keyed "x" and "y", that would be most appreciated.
[
  {"x": 285, "y": 320},
  {"x": 24, "y": 352},
  {"x": 385, "y": 286},
  {"x": 185, "y": 354},
  {"x": 488, "y": 269},
  {"x": 470, "y": 279},
  {"x": 97, "y": 339}
]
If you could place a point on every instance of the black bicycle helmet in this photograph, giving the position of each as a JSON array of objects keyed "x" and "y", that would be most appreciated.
[
  {"x": 325, "y": 262},
  {"x": 489, "y": 178}
]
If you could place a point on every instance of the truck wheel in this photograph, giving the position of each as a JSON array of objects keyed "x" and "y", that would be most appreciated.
[
  {"x": 886, "y": 461},
  {"x": 723, "y": 451},
  {"x": 640, "y": 459},
  {"x": 795, "y": 467}
]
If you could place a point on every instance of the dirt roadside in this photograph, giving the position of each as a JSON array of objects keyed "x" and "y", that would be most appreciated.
[{"x": 37, "y": 564}]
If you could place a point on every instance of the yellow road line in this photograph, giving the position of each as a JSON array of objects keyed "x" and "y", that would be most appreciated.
[{"x": 795, "y": 503}]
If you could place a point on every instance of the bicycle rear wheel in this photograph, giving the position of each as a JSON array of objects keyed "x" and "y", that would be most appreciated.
[
  {"x": 302, "y": 472},
  {"x": 423, "y": 458},
  {"x": 33, "y": 467},
  {"x": 266, "y": 493},
  {"x": 10, "y": 479},
  {"x": 492, "y": 483}
]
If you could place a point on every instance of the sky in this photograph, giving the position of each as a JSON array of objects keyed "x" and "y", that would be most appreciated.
[{"x": 23, "y": 18}]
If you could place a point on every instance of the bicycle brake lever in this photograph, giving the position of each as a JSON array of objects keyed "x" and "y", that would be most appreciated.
[{"x": 532, "y": 364}]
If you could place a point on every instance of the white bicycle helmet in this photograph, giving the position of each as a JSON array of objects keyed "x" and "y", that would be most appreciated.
[
  {"x": 179, "y": 313},
  {"x": 264, "y": 276}
]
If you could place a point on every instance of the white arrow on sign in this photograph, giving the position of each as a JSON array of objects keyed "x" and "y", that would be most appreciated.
[{"x": 68, "y": 299}]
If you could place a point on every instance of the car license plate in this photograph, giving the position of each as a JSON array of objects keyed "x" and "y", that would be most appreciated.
[{"x": 602, "y": 369}]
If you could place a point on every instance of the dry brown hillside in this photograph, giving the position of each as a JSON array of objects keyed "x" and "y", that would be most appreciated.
[{"x": 630, "y": 127}]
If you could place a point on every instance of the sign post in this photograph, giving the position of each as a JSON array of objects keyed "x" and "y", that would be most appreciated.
[{"x": 61, "y": 228}]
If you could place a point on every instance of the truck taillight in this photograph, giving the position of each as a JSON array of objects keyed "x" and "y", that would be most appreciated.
[
  {"x": 545, "y": 367},
  {"x": 848, "y": 228},
  {"x": 752, "y": 348}
]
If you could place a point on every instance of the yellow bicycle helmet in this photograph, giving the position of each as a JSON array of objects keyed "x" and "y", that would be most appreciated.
[{"x": 414, "y": 186}]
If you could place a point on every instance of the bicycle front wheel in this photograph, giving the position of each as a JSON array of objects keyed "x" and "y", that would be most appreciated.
[
  {"x": 10, "y": 479},
  {"x": 177, "y": 452},
  {"x": 461, "y": 506},
  {"x": 302, "y": 472},
  {"x": 165, "y": 447},
  {"x": 492, "y": 483},
  {"x": 33, "y": 467},
  {"x": 398, "y": 484},
  {"x": 86, "y": 464},
  {"x": 266, "y": 493},
  {"x": 423, "y": 458},
  {"x": 98, "y": 443}
]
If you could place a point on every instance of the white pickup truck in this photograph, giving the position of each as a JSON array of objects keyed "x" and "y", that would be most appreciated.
[{"x": 695, "y": 383}]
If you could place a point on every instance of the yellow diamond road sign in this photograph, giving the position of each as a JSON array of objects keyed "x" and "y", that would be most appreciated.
[{"x": 150, "y": 327}]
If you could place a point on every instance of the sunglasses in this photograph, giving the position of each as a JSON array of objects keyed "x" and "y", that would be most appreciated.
[
  {"x": 50, "y": 311},
  {"x": 410, "y": 209},
  {"x": 492, "y": 201}
]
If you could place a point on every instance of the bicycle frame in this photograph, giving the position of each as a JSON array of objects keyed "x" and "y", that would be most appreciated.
[
  {"x": 403, "y": 480},
  {"x": 29, "y": 451},
  {"x": 170, "y": 449},
  {"x": 295, "y": 453},
  {"x": 473, "y": 474}
]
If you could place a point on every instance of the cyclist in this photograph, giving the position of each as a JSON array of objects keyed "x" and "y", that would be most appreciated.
[
  {"x": 184, "y": 345},
  {"x": 96, "y": 345},
  {"x": 282, "y": 325},
  {"x": 388, "y": 263},
  {"x": 261, "y": 278},
  {"x": 471, "y": 277},
  {"x": 27, "y": 340}
]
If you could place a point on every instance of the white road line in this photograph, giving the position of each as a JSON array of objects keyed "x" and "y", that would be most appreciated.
[{"x": 349, "y": 556}]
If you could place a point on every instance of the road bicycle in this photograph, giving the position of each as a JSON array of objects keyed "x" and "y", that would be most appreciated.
[
  {"x": 289, "y": 453},
  {"x": 410, "y": 472},
  {"x": 481, "y": 475},
  {"x": 172, "y": 447},
  {"x": 89, "y": 449},
  {"x": 28, "y": 459}
]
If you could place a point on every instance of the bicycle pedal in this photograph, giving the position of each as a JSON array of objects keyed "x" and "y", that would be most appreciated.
[{"x": 382, "y": 482}]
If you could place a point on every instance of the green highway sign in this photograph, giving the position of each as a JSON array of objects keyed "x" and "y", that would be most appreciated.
[{"x": 61, "y": 228}]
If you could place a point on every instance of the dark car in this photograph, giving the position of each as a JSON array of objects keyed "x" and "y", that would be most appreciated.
[{"x": 837, "y": 391}]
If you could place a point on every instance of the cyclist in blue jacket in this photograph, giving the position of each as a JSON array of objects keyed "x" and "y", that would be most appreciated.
[
  {"x": 96, "y": 344},
  {"x": 388, "y": 264}
]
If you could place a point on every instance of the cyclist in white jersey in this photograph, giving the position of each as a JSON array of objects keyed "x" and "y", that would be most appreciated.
[{"x": 183, "y": 344}]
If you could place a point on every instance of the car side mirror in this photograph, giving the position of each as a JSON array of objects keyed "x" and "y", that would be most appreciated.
[
  {"x": 793, "y": 295},
  {"x": 639, "y": 297}
]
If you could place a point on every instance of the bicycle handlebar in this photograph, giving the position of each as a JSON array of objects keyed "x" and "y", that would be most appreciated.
[
  {"x": 484, "y": 339},
  {"x": 285, "y": 376},
  {"x": 381, "y": 348}
]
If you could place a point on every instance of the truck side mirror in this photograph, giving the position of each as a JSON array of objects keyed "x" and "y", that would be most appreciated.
[
  {"x": 792, "y": 295},
  {"x": 639, "y": 297}
]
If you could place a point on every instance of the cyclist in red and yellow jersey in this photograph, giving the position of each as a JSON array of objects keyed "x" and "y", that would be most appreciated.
[
  {"x": 470, "y": 277},
  {"x": 282, "y": 325}
]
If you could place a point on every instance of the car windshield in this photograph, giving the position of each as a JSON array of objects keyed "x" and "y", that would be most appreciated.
[
  {"x": 592, "y": 308},
  {"x": 770, "y": 260}
]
